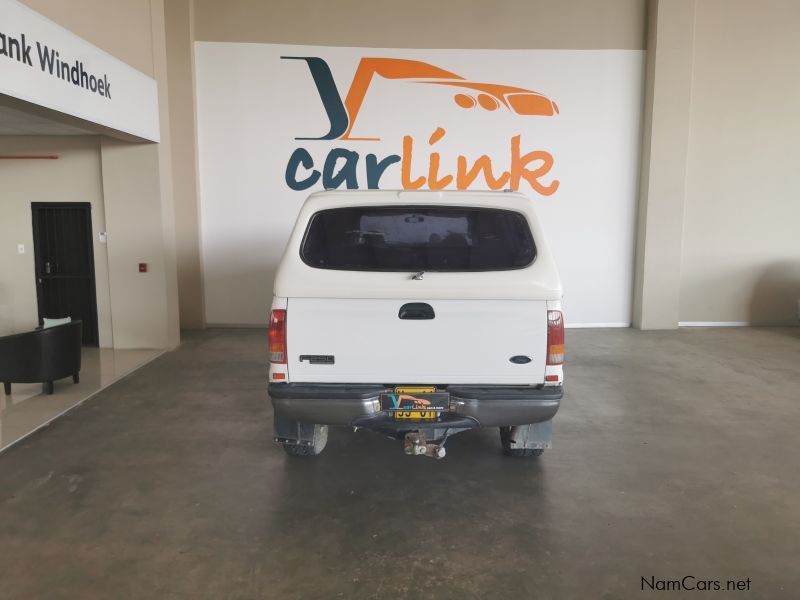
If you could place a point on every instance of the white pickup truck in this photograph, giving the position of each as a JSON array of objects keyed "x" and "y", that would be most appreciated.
[{"x": 417, "y": 315}]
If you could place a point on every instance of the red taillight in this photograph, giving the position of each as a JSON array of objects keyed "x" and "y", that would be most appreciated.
[
  {"x": 277, "y": 336},
  {"x": 555, "y": 337}
]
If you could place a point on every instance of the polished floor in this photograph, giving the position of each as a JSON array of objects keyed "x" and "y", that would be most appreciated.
[
  {"x": 27, "y": 408},
  {"x": 676, "y": 454}
]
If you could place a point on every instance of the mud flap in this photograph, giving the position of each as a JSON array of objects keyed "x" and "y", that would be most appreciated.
[
  {"x": 288, "y": 431},
  {"x": 533, "y": 436}
]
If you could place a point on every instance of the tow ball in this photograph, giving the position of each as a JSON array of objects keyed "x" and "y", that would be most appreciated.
[{"x": 417, "y": 445}]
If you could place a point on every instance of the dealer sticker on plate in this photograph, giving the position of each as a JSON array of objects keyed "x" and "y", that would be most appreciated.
[{"x": 415, "y": 403}]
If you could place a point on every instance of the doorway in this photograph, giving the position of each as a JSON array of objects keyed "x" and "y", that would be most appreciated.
[{"x": 64, "y": 258}]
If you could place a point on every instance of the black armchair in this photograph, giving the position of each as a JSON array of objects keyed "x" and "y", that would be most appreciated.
[{"x": 43, "y": 355}]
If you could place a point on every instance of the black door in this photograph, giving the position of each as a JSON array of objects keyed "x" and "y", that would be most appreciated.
[{"x": 62, "y": 244}]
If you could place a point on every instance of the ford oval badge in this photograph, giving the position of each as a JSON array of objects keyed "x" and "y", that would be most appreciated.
[{"x": 520, "y": 360}]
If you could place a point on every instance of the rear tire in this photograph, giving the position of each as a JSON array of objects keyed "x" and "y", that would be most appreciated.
[
  {"x": 505, "y": 440},
  {"x": 317, "y": 445}
]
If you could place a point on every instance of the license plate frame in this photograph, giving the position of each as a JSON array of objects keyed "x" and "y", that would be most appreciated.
[{"x": 425, "y": 406}]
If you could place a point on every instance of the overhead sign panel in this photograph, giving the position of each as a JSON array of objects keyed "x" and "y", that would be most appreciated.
[{"x": 44, "y": 64}]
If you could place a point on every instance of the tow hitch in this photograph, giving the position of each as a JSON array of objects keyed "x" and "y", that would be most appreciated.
[{"x": 417, "y": 445}]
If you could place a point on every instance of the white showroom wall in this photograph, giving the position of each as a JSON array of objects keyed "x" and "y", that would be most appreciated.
[{"x": 253, "y": 105}]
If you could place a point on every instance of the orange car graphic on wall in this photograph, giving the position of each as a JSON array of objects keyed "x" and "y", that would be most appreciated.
[{"x": 488, "y": 96}]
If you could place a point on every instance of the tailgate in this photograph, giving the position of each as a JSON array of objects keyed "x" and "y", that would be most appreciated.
[{"x": 468, "y": 341}]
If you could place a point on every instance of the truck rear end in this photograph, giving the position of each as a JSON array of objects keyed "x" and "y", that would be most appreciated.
[{"x": 418, "y": 315}]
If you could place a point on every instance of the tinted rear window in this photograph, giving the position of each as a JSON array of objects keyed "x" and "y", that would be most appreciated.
[{"x": 394, "y": 238}]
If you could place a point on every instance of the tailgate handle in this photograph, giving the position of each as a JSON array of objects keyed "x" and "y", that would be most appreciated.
[{"x": 416, "y": 311}]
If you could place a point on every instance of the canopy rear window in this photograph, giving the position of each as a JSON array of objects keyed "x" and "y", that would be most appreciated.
[{"x": 418, "y": 238}]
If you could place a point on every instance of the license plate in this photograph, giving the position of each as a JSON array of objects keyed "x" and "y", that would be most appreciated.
[
  {"x": 416, "y": 415},
  {"x": 405, "y": 389},
  {"x": 417, "y": 406}
]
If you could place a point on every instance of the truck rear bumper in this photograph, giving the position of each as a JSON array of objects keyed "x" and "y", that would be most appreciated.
[{"x": 359, "y": 405}]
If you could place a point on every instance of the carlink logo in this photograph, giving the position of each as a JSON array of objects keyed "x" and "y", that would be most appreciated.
[{"x": 342, "y": 114}]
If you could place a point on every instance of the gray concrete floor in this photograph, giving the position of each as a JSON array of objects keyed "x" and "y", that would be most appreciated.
[{"x": 676, "y": 453}]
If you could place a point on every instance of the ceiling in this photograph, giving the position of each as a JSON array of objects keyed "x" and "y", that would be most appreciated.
[{"x": 17, "y": 122}]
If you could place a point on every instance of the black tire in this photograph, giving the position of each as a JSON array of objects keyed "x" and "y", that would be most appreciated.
[
  {"x": 320, "y": 440},
  {"x": 505, "y": 440}
]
